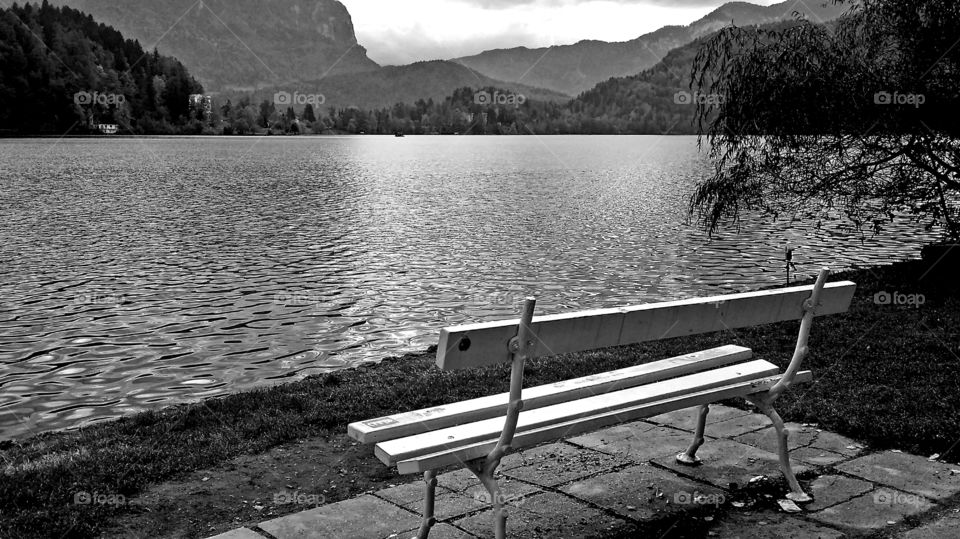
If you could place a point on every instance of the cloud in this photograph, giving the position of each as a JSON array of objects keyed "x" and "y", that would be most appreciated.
[
  {"x": 397, "y": 32},
  {"x": 404, "y": 46},
  {"x": 501, "y": 4}
]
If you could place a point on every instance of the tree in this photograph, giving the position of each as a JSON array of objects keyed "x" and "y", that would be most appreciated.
[
  {"x": 308, "y": 113},
  {"x": 267, "y": 109},
  {"x": 226, "y": 109},
  {"x": 858, "y": 118}
]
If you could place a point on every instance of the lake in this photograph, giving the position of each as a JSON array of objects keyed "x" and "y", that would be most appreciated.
[{"x": 136, "y": 273}]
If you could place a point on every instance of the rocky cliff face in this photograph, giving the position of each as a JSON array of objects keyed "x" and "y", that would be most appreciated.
[{"x": 240, "y": 44}]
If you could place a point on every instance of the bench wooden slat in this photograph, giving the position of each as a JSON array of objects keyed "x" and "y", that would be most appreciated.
[
  {"x": 392, "y": 451},
  {"x": 478, "y": 345},
  {"x": 572, "y": 428},
  {"x": 458, "y": 413}
]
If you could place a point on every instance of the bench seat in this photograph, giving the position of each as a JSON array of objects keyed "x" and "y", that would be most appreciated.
[
  {"x": 523, "y": 439},
  {"x": 440, "y": 440},
  {"x": 458, "y": 413}
]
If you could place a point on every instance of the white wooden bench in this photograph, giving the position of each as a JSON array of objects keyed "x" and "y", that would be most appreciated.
[{"x": 478, "y": 433}]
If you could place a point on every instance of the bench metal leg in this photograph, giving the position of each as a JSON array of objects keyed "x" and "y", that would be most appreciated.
[
  {"x": 689, "y": 457},
  {"x": 765, "y": 406},
  {"x": 430, "y": 491},
  {"x": 484, "y": 470}
]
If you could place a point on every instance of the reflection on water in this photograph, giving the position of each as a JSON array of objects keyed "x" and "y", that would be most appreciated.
[{"x": 143, "y": 272}]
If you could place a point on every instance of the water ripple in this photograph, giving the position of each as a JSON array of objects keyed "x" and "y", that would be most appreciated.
[{"x": 141, "y": 272}]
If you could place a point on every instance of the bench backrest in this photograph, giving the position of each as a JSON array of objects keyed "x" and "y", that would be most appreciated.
[{"x": 479, "y": 345}]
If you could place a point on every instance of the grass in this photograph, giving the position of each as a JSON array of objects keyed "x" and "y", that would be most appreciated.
[{"x": 885, "y": 374}]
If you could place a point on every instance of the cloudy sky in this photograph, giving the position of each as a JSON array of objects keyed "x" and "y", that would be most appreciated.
[{"x": 404, "y": 31}]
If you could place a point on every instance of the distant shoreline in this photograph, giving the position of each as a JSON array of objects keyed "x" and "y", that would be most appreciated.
[{"x": 321, "y": 135}]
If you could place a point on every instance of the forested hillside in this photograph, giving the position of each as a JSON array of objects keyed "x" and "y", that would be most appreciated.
[
  {"x": 63, "y": 72},
  {"x": 239, "y": 44},
  {"x": 386, "y": 86},
  {"x": 656, "y": 101}
]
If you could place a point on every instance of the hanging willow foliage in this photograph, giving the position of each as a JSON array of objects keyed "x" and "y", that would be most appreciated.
[{"x": 857, "y": 118}]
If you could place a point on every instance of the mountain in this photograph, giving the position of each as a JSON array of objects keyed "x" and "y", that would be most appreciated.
[
  {"x": 239, "y": 44},
  {"x": 655, "y": 101},
  {"x": 63, "y": 73},
  {"x": 572, "y": 69},
  {"x": 390, "y": 85}
]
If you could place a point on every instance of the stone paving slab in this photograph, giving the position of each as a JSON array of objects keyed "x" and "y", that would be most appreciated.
[
  {"x": 770, "y": 525},
  {"x": 766, "y": 439},
  {"x": 946, "y": 527},
  {"x": 645, "y": 493},
  {"x": 409, "y": 495},
  {"x": 814, "y": 456},
  {"x": 541, "y": 454},
  {"x": 809, "y": 444},
  {"x": 555, "y": 464},
  {"x": 451, "y": 504},
  {"x": 638, "y": 443},
  {"x": 730, "y": 465},
  {"x": 910, "y": 473},
  {"x": 459, "y": 480},
  {"x": 438, "y": 531},
  {"x": 512, "y": 491},
  {"x": 361, "y": 518},
  {"x": 876, "y": 509},
  {"x": 686, "y": 419},
  {"x": 737, "y": 426},
  {"x": 832, "y": 441},
  {"x": 544, "y": 516},
  {"x": 463, "y": 480},
  {"x": 828, "y": 490},
  {"x": 722, "y": 421},
  {"x": 481, "y": 524},
  {"x": 239, "y": 533}
]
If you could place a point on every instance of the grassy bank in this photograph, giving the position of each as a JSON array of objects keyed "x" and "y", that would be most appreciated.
[{"x": 885, "y": 374}]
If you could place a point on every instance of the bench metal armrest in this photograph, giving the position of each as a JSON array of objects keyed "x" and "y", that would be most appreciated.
[
  {"x": 801, "y": 350},
  {"x": 520, "y": 346}
]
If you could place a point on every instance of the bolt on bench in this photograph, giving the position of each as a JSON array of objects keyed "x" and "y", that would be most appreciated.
[{"x": 478, "y": 433}]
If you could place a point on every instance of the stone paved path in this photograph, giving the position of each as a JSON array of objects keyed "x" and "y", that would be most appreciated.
[{"x": 623, "y": 481}]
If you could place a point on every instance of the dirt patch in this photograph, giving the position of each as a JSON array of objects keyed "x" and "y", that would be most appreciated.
[{"x": 251, "y": 489}]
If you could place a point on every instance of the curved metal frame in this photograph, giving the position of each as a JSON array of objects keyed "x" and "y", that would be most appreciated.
[
  {"x": 520, "y": 346},
  {"x": 764, "y": 401},
  {"x": 486, "y": 468}
]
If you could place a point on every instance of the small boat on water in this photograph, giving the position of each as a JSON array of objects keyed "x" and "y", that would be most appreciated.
[{"x": 399, "y": 134}]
